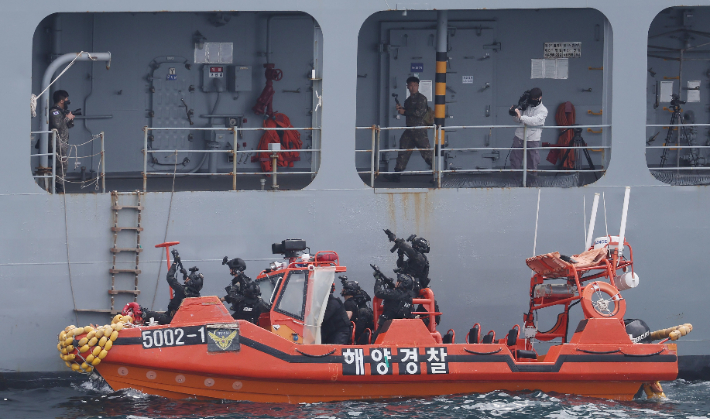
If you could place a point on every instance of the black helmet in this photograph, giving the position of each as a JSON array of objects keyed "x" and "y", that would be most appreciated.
[
  {"x": 405, "y": 281},
  {"x": 252, "y": 290},
  {"x": 420, "y": 244},
  {"x": 236, "y": 264},
  {"x": 349, "y": 287}
]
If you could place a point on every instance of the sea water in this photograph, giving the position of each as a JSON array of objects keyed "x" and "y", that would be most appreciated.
[{"x": 90, "y": 400}]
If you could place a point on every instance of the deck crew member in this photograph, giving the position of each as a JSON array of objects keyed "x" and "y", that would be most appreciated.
[
  {"x": 248, "y": 304},
  {"x": 61, "y": 119},
  {"x": 415, "y": 109},
  {"x": 397, "y": 299},
  {"x": 190, "y": 288},
  {"x": 533, "y": 116},
  {"x": 356, "y": 307},
  {"x": 335, "y": 328}
]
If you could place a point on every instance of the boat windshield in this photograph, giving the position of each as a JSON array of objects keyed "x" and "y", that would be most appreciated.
[
  {"x": 268, "y": 285},
  {"x": 292, "y": 300}
]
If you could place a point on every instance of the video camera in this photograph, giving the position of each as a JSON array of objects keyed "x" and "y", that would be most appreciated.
[
  {"x": 288, "y": 247},
  {"x": 676, "y": 102},
  {"x": 523, "y": 103}
]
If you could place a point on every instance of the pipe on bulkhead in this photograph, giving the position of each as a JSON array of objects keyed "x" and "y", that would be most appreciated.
[
  {"x": 47, "y": 79},
  {"x": 442, "y": 25}
]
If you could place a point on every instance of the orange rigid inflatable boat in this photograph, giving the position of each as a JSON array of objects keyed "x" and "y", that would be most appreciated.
[{"x": 204, "y": 352}]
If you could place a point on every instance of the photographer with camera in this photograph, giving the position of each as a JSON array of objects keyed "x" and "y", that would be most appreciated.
[
  {"x": 529, "y": 113},
  {"x": 190, "y": 288},
  {"x": 61, "y": 119}
]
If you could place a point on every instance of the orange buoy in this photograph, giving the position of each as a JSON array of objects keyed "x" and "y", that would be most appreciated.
[{"x": 609, "y": 302}]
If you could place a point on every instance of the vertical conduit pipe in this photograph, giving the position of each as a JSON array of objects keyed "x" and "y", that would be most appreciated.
[
  {"x": 442, "y": 25},
  {"x": 234, "y": 158},
  {"x": 145, "y": 158}
]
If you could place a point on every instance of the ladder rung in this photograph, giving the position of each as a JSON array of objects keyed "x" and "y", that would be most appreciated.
[
  {"x": 126, "y": 228},
  {"x": 115, "y": 292},
  {"x": 124, "y": 271},
  {"x": 96, "y": 310},
  {"x": 135, "y": 207},
  {"x": 126, "y": 249}
]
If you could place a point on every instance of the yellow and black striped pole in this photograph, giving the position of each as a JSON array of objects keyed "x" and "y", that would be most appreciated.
[{"x": 440, "y": 80}]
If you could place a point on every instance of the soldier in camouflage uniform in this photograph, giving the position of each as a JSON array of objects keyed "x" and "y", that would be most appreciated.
[
  {"x": 61, "y": 119},
  {"x": 415, "y": 108}
]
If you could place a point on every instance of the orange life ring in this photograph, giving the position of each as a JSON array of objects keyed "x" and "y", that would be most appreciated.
[{"x": 601, "y": 307}]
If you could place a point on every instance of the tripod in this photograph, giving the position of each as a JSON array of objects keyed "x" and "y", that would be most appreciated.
[
  {"x": 683, "y": 134},
  {"x": 578, "y": 141}
]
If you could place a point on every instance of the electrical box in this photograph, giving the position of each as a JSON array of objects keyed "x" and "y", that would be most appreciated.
[
  {"x": 213, "y": 78},
  {"x": 239, "y": 78}
]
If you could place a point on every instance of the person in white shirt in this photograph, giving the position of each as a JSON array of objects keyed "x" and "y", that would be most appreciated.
[{"x": 533, "y": 116}]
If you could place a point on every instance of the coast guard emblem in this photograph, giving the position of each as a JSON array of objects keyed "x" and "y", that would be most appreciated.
[{"x": 222, "y": 340}]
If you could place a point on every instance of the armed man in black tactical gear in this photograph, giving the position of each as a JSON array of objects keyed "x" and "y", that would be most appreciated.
[
  {"x": 237, "y": 266},
  {"x": 247, "y": 305},
  {"x": 190, "y": 288},
  {"x": 357, "y": 308},
  {"x": 335, "y": 328},
  {"x": 397, "y": 299},
  {"x": 416, "y": 264}
]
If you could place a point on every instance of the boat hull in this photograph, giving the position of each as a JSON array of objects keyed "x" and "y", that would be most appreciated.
[{"x": 254, "y": 364}]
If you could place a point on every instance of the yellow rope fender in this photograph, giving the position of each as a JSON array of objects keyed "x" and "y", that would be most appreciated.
[
  {"x": 673, "y": 333},
  {"x": 653, "y": 390},
  {"x": 83, "y": 353}
]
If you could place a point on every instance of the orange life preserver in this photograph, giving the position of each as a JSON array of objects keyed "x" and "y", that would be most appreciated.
[
  {"x": 290, "y": 140},
  {"x": 601, "y": 310}
]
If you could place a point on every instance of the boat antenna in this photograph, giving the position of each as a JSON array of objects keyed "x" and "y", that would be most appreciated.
[
  {"x": 537, "y": 216},
  {"x": 606, "y": 227},
  {"x": 592, "y": 222}
]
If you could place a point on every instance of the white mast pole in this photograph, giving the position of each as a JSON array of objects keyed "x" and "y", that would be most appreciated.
[
  {"x": 592, "y": 221},
  {"x": 622, "y": 229}
]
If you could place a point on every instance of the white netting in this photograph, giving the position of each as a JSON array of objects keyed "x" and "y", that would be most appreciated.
[{"x": 73, "y": 154}]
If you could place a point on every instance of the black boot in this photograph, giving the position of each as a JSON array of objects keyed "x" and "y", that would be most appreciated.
[{"x": 393, "y": 177}]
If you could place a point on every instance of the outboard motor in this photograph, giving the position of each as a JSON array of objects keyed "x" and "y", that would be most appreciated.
[{"x": 638, "y": 331}]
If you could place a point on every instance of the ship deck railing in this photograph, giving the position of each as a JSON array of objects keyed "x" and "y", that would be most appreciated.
[
  {"x": 676, "y": 146},
  {"x": 50, "y": 180},
  {"x": 437, "y": 171},
  {"x": 234, "y": 151}
]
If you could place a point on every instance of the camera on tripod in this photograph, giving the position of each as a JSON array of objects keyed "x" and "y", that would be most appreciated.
[{"x": 676, "y": 102}]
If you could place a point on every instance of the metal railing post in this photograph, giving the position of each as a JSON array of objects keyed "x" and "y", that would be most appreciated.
[
  {"x": 145, "y": 157},
  {"x": 439, "y": 161},
  {"x": 53, "y": 185},
  {"x": 234, "y": 159},
  {"x": 525, "y": 157},
  {"x": 103, "y": 164},
  {"x": 377, "y": 157},
  {"x": 372, "y": 158},
  {"x": 274, "y": 163}
]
